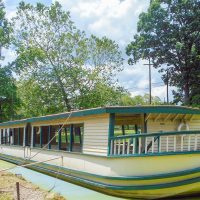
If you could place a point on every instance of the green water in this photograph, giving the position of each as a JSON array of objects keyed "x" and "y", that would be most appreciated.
[{"x": 68, "y": 190}]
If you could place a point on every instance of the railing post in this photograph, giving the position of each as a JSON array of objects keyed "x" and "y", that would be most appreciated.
[
  {"x": 159, "y": 144},
  {"x": 174, "y": 143},
  {"x": 128, "y": 146},
  {"x": 32, "y": 136},
  {"x": 124, "y": 143},
  {"x": 41, "y": 139},
  {"x": 119, "y": 147},
  {"x": 18, "y": 133},
  {"x": 8, "y": 132},
  {"x": 115, "y": 147},
  {"x": 59, "y": 138},
  {"x": 145, "y": 143},
  {"x": 71, "y": 137},
  {"x": 182, "y": 142},
  {"x": 189, "y": 138},
  {"x": 152, "y": 146},
  {"x": 140, "y": 145},
  {"x": 24, "y": 137},
  {"x": 49, "y": 137}
]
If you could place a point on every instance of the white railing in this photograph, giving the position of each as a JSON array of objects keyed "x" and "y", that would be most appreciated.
[{"x": 151, "y": 143}]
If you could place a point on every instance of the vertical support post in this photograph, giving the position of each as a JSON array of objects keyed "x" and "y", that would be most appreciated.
[
  {"x": 145, "y": 123},
  {"x": 123, "y": 130},
  {"x": 159, "y": 147},
  {"x": 14, "y": 137},
  {"x": 49, "y": 137},
  {"x": 5, "y": 136},
  {"x": 59, "y": 138},
  {"x": 24, "y": 137},
  {"x": 32, "y": 136},
  {"x": 111, "y": 131},
  {"x": 17, "y": 189},
  {"x": 71, "y": 137},
  {"x": 18, "y": 133},
  {"x": 8, "y": 133},
  {"x": 135, "y": 141},
  {"x": 167, "y": 143},
  {"x": 143, "y": 141},
  {"x": 136, "y": 129},
  {"x": 41, "y": 141},
  {"x": 11, "y": 136},
  {"x": 66, "y": 139}
]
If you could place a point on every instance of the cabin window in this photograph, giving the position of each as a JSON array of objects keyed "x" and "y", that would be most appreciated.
[
  {"x": 5, "y": 137},
  {"x": 77, "y": 137},
  {"x": 36, "y": 137},
  {"x": 65, "y": 138},
  {"x": 28, "y": 135}
]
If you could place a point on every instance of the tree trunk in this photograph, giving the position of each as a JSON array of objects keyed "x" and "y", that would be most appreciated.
[
  {"x": 186, "y": 94},
  {"x": 65, "y": 98}
]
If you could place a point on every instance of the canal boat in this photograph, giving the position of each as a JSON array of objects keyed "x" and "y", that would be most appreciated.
[{"x": 144, "y": 152}]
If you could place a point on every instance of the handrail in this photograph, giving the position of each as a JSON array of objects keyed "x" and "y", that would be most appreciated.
[{"x": 155, "y": 134}]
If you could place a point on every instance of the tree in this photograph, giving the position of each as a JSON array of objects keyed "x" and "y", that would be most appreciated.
[
  {"x": 5, "y": 29},
  {"x": 54, "y": 53},
  {"x": 36, "y": 100},
  {"x": 9, "y": 101},
  {"x": 127, "y": 100},
  {"x": 169, "y": 34},
  {"x": 8, "y": 95}
]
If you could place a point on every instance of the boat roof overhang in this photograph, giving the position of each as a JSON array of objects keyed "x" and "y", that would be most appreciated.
[{"x": 113, "y": 109}]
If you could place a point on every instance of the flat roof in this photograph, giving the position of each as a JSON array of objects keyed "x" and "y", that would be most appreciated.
[{"x": 112, "y": 109}]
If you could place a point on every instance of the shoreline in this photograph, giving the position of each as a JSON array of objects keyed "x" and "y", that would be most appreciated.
[{"x": 27, "y": 190}]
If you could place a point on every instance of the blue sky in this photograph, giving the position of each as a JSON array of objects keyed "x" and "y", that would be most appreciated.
[{"x": 116, "y": 19}]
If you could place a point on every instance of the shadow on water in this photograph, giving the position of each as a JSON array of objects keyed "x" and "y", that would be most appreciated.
[{"x": 68, "y": 190}]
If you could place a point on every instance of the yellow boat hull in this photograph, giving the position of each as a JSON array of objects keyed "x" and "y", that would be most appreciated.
[{"x": 159, "y": 182}]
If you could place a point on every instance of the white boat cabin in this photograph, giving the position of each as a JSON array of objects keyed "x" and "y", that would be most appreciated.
[{"x": 110, "y": 131}]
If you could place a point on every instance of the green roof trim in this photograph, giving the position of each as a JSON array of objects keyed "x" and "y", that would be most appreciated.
[{"x": 114, "y": 109}]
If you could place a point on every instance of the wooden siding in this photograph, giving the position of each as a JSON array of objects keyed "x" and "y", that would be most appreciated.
[
  {"x": 173, "y": 141},
  {"x": 161, "y": 126},
  {"x": 95, "y": 139}
]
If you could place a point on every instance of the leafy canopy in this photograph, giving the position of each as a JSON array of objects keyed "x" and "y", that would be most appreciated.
[
  {"x": 58, "y": 57},
  {"x": 8, "y": 94},
  {"x": 169, "y": 34}
]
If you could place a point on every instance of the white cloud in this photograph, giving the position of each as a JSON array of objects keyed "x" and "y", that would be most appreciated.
[
  {"x": 112, "y": 18},
  {"x": 118, "y": 21}
]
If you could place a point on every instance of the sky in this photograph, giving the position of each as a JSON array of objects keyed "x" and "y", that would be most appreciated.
[{"x": 117, "y": 20}]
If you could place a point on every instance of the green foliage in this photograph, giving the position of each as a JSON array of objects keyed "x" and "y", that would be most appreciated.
[
  {"x": 169, "y": 34},
  {"x": 5, "y": 29},
  {"x": 59, "y": 67},
  {"x": 127, "y": 100},
  {"x": 37, "y": 100},
  {"x": 8, "y": 95}
]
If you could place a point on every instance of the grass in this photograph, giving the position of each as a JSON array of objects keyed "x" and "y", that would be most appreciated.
[{"x": 8, "y": 189}]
